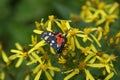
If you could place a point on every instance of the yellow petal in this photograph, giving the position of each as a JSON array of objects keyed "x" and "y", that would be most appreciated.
[
  {"x": 100, "y": 21},
  {"x": 37, "y": 77},
  {"x": 49, "y": 25},
  {"x": 4, "y": 56},
  {"x": 19, "y": 62},
  {"x": 107, "y": 68},
  {"x": 59, "y": 25},
  {"x": 88, "y": 75},
  {"x": 81, "y": 35},
  {"x": 92, "y": 60},
  {"x": 93, "y": 48},
  {"x": 52, "y": 73},
  {"x": 54, "y": 68},
  {"x": 89, "y": 39},
  {"x": 12, "y": 57},
  {"x": 18, "y": 46},
  {"x": 100, "y": 59},
  {"x": 96, "y": 65},
  {"x": 37, "y": 24},
  {"x": 51, "y": 17},
  {"x": 72, "y": 43},
  {"x": 37, "y": 31},
  {"x": 98, "y": 43},
  {"x": 36, "y": 69},
  {"x": 77, "y": 43},
  {"x": 52, "y": 50},
  {"x": 109, "y": 76},
  {"x": 88, "y": 57},
  {"x": 37, "y": 46},
  {"x": 117, "y": 40},
  {"x": 2, "y": 76},
  {"x": 99, "y": 36},
  {"x": 62, "y": 60},
  {"x": 106, "y": 28},
  {"x": 38, "y": 58},
  {"x": 67, "y": 24},
  {"x": 34, "y": 40},
  {"x": 32, "y": 60},
  {"x": 16, "y": 51},
  {"x": 113, "y": 8},
  {"x": 48, "y": 76},
  {"x": 76, "y": 71},
  {"x": 27, "y": 77}
]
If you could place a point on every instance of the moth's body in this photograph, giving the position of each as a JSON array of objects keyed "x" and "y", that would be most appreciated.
[{"x": 56, "y": 40}]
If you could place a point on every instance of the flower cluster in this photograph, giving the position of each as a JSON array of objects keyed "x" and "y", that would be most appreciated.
[
  {"x": 83, "y": 51},
  {"x": 100, "y": 13}
]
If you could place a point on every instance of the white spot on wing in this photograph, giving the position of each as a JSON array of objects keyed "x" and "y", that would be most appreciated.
[
  {"x": 50, "y": 34},
  {"x": 51, "y": 44},
  {"x": 46, "y": 37},
  {"x": 53, "y": 41}
]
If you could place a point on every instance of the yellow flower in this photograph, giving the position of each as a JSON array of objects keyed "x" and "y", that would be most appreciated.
[
  {"x": 86, "y": 14},
  {"x": 82, "y": 66},
  {"x": 92, "y": 54},
  {"x": 40, "y": 25},
  {"x": 72, "y": 38},
  {"x": 63, "y": 25},
  {"x": 40, "y": 51},
  {"x": 43, "y": 67},
  {"x": 105, "y": 63},
  {"x": 73, "y": 72},
  {"x": 87, "y": 35},
  {"x": 101, "y": 13},
  {"x": 62, "y": 60},
  {"x": 85, "y": 50},
  {"x": 20, "y": 52},
  {"x": 44, "y": 26}
]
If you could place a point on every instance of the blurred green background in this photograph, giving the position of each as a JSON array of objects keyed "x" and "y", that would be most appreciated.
[{"x": 17, "y": 18}]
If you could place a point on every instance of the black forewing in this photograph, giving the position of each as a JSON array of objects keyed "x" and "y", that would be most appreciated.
[{"x": 49, "y": 37}]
